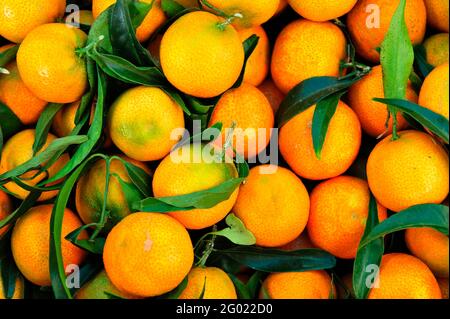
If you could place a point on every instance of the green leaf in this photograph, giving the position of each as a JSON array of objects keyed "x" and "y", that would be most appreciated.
[
  {"x": 176, "y": 293},
  {"x": 274, "y": 260},
  {"x": 171, "y": 8},
  {"x": 310, "y": 92},
  {"x": 8, "y": 55},
  {"x": 254, "y": 284},
  {"x": 241, "y": 288},
  {"x": 87, "y": 98},
  {"x": 236, "y": 232},
  {"x": 131, "y": 192},
  {"x": 139, "y": 177},
  {"x": 94, "y": 246},
  {"x": 249, "y": 46},
  {"x": 323, "y": 114},
  {"x": 9, "y": 273},
  {"x": 367, "y": 255},
  {"x": 420, "y": 60},
  {"x": 43, "y": 125},
  {"x": 436, "y": 123},
  {"x": 10, "y": 122},
  {"x": 202, "y": 294},
  {"x": 24, "y": 207}
]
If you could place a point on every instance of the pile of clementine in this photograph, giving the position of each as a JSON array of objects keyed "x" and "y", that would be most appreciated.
[{"x": 172, "y": 141}]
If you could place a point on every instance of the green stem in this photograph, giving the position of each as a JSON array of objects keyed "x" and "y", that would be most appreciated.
[
  {"x": 394, "y": 124},
  {"x": 208, "y": 249},
  {"x": 82, "y": 52}
]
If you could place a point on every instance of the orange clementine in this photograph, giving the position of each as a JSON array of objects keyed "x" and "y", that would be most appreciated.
[
  {"x": 252, "y": 114},
  {"x": 142, "y": 122},
  {"x": 20, "y": 17},
  {"x": 409, "y": 171},
  {"x": 49, "y": 65},
  {"x": 18, "y": 290},
  {"x": 322, "y": 10},
  {"x": 275, "y": 218},
  {"x": 403, "y": 276},
  {"x": 30, "y": 243},
  {"x": 437, "y": 14},
  {"x": 99, "y": 287},
  {"x": 434, "y": 91},
  {"x": 340, "y": 149},
  {"x": 306, "y": 49},
  {"x": 18, "y": 150},
  {"x": 216, "y": 282},
  {"x": 201, "y": 55},
  {"x": 369, "y": 21},
  {"x": 189, "y": 169},
  {"x": 5, "y": 210},
  {"x": 373, "y": 115},
  {"x": 64, "y": 121},
  {"x": 338, "y": 215},
  {"x": 436, "y": 49},
  {"x": 147, "y": 254},
  {"x": 272, "y": 93}
]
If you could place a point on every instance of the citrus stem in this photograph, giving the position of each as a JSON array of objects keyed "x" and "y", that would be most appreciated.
[
  {"x": 229, "y": 20},
  {"x": 205, "y": 3},
  {"x": 208, "y": 249},
  {"x": 394, "y": 124},
  {"x": 82, "y": 52}
]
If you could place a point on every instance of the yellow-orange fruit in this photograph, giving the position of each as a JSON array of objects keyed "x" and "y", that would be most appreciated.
[
  {"x": 322, "y": 10},
  {"x": 340, "y": 149},
  {"x": 437, "y": 14},
  {"x": 403, "y": 276},
  {"x": 434, "y": 92},
  {"x": 99, "y": 287},
  {"x": 147, "y": 254},
  {"x": 409, "y": 171},
  {"x": 30, "y": 243},
  {"x": 369, "y": 21},
  {"x": 216, "y": 284},
  {"x": 272, "y": 93},
  {"x": 305, "y": 49},
  {"x": 436, "y": 49},
  {"x": 274, "y": 217},
  {"x": 64, "y": 120},
  {"x": 5, "y": 210},
  {"x": 430, "y": 246},
  {"x": 18, "y": 290},
  {"x": 283, "y": 4}
]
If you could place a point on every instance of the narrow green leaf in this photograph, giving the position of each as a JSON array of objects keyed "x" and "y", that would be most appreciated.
[
  {"x": 176, "y": 293},
  {"x": 9, "y": 273},
  {"x": 87, "y": 98},
  {"x": 171, "y": 8},
  {"x": 139, "y": 177},
  {"x": 94, "y": 246},
  {"x": 254, "y": 284},
  {"x": 241, "y": 288},
  {"x": 44, "y": 124},
  {"x": 10, "y": 122},
  {"x": 420, "y": 60},
  {"x": 131, "y": 192},
  {"x": 249, "y": 46},
  {"x": 24, "y": 207},
  {"x": 202, "y": 294},
  {"x": 8, "y": 55},
  {"x": 100, "y": 29},
  {"x": 236, "y": 232}
]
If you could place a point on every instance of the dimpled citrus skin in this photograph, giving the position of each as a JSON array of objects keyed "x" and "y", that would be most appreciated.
[
  {"x": 147, "y": 254},
  {"x": 18, "y": 290},
  {"x": 403, "y": 276},
  {"x": 89, "y": 196},
  {"x": 254, "y": 12},
  {"x": 19, "y": 99},
  {"x": 305, "y": 49},
  {"x": 141, "y": 122},
  {"x": 316, "y": 284},
  {"x": 49, "y": 65},
  {"x": 430, "y": 246},
  {"x": 338, "y": 215},
  {"x": 274, "y": 217},
  {"x": 30, "y": 243},
  {"x": 437, "y": 14},
  {"x": 436, "y": 48},
  {"x": 272, "y": 93},
  {"x": 434, "y": 91},
  {"x": 216, "y": 282},
  {"x": 340, "y": 148},
  {"x": 199, "y": 57},
  {"x": 409, "y": 171},
  {"x": 97, "y": 288},
  {"x": 152, "y": 21},
  {"x": 249, "y": 108},
  {"x": 322, "y": 10},
  {"x": 371, "y": 114},
  {"x": 368, "y": 37},
  {"x": 443, "y": 284},
  {"x": 192, "y": 174},
  {"x": 19, "y": 149},
  {"x": 257, "y": 66},
  {"x": 19, "y": 17},
  {"x": 5, "y": 210}
]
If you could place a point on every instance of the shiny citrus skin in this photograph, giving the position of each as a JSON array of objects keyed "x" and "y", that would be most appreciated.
[
  {"x": 200, "y": 55},
  {"x": 323, "y": 10},
  {"x": 18, "y": 291},
  {"x": 430, "y": 246},
  {"x": 305, "y": 49},
  {"x": 436, "y": 48},
  {"x": 274, "y": 217},
  {"x": 216, "y": 282},
  {"x": 250, "y": 110},
  {"x": 434, "y": 91},
  {"x": 316, "y": 284},
  {"x": 254, "y": 13},
  {"x": 443, "y": 284},
  {"x": 258, "y": 64},
  {"x": 367, "y": 36},
  {"x": 404, "y": 276},
  {"x": 30, "y": 243},
  {"x": 437, "y": 14},
  {"x": 64, "y": 120},
  {"x": 371, "y": 114},
  {"x": 338, "y": 215},
  {"x": 409, "y": 171},
  {"x": 148, "y": 254},
  {"x": 89, "y": 196},
  {"x": 272, "y": 93},
  {"x": 98, "y": 287},
  {"x": 19, "y": 149},
  {"x": 20, "y": 17},
  {"x": 5, "y": 210},
  {"x": 142, "y": 122},
  {"x": 340, "y": 149},
  {"x": 84, "y": 17},
  {"x": 49, "y": 65},
  {"x": 19, "y": 99},
  {"x": 186, "y": 171},
  {"x": 152, "y": 21}
]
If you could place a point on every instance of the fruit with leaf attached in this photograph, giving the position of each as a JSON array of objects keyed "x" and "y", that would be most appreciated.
[
  {"x": 437, "y": 14},
  {"x": 147, "y": 254},
  {"x": 408, "y": 171},
  {"x": 434, "y": 92},
  {"x": 212, "y": 281},
  {"x": 5, "y": 210},
  {"x": 323, "y": 10},
  {"x": 100, "y": 287},
  {"x": 436, "y": 49}
]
